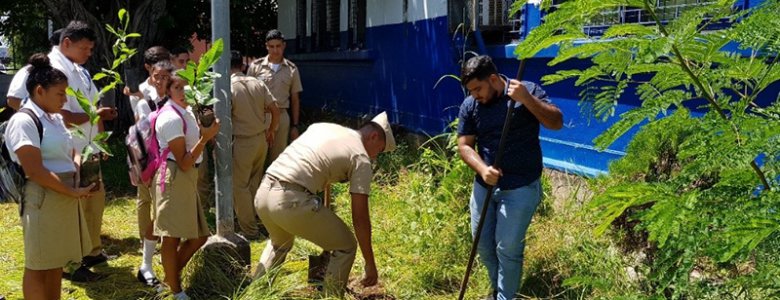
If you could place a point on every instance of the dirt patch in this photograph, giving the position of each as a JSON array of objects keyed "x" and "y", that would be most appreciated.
[{"x": 376, "y": 292}]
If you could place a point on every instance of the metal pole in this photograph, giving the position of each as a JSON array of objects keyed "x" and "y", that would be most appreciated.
[
  {"x": 220, "y": 29},
  {"x": 492, "y": 189}
]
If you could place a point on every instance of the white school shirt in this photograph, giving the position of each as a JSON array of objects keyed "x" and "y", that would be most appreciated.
[
  {"x": 18, "y": 86},
  {"x": 148, "y": 91},
  {"x": 169, "y": 126},
  {"x": 80, "y": 80},
  {"x": 56, "y": 149},
  {"x": 143, "y": 110}
]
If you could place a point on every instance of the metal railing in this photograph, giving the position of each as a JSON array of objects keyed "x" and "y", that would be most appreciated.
[{"x": 667, "y": 10}]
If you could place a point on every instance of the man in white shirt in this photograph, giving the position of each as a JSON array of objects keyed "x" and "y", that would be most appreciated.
[
  {"x": 76, "y": 43},
  {"x": 17, "y": 90}
]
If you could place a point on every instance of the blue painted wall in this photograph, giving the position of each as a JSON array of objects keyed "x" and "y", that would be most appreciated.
[{"x": 403, "y": 62}]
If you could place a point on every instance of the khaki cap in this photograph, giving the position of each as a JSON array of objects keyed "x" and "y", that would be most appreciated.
[{"x": 381, "y": 119}]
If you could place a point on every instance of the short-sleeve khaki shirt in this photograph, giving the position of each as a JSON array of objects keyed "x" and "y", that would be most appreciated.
[
  {"x": 249, "y": 99},
  {"x": 282, "y": 83},
  {"x": 325, "y": 153}
]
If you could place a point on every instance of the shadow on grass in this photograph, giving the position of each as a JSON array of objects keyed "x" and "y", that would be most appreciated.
[
  {"x": 546, "y": 283},
  {"x": 126, "y": 246},
  {"x": 120, "y": 283}
]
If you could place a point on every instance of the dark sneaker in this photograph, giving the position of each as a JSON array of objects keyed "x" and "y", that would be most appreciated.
[
  {"x": 83, "y": 274},
  {"x": 151, "y": 282},
  {"x": 91, "y": 261}
]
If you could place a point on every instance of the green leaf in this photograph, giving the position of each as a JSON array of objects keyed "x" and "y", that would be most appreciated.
[
  {"x": 102, "y": 147},
  {"x": 133, "y": 35},
  {"x": 86, "y": 153},
  {"x": 188, "y": 73},
  {"x": 99, "y": 76},
  {"x": 83, "y": 101},
  {"x": 102, "y": 136},
  {"x": 210, "y": 57}
]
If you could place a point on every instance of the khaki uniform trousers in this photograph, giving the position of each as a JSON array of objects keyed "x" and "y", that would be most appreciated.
[
  {"x": 205, "y": 178},
  {"x": 287, "y": 211},
  {"x": 93, "y": 214},
  {"x": 55, "y": 231},
  {"x": 249, "y": 154},
  {"x": 281, "y": 137},
  {"x": 144, "y": 209}
]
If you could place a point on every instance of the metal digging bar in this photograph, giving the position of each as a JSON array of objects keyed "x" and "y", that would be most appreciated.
[{"x": 492, "y": 189}]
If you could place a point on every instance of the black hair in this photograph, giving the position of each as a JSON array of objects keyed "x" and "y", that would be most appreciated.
[
  {"x": 179, "y": 50},
  {"x": 374, "y": 126},
  {"x": 54, "y": 39},
  {"x": 77, "y": 31},
  {"x": 164, "y": 65},
  {"x": 42, "y": 73},
  {"x": 236, "y": 60},
  {"x": 274, "y": 34},
  {"x": 156, "y": 54},
  {"x": 478, "y": 67}
]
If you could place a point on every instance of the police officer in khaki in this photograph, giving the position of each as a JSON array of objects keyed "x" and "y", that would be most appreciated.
[
  {"x": 251, "y": 99},
  {"x": 287, "y": 204},
  {"x": 283, "y": 79},
  {"x": 52, "y": 213}
]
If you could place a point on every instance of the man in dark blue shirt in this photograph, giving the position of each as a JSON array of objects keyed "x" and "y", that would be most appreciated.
[{"x": 518, "y": 190}]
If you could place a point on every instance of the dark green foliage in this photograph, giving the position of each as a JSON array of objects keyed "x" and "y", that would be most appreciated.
[{"x": 701, "y": 189}]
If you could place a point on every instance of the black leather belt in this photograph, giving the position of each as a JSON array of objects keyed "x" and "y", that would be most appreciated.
[{"x": 173, "y": 160}]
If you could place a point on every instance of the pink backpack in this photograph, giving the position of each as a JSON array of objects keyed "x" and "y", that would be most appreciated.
[{"x": 144, "y": 154}]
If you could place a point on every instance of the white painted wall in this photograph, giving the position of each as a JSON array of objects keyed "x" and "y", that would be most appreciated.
[
  {"x": 379, "y": 12},
  {"x": 386, "y": 12},
  {"x": 286, "y": 21},
  {"x": 344, "y": 15},
  {"x": 426, "y": 9}
]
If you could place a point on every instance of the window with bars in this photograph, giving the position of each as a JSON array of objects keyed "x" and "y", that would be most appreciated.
[
  {"x": 325, "y": 24},
  {"x": 357, "y": 24},
  {"x": 300, "y": 25},
  {"x": 666, "y": 10},
  {"x": 496, "y": 22}
]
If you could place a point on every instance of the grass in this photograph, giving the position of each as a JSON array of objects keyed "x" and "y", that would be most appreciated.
[{"x": 419, "y": 209}]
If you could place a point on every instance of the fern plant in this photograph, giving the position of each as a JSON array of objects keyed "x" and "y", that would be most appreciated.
[{"x": 701, "y": 176}]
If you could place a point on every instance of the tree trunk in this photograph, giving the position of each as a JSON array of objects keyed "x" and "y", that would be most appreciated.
[{"x": 144, "y": 18}]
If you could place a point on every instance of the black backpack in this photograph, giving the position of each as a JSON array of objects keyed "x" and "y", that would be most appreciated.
[{"x": 12, "y": 178}]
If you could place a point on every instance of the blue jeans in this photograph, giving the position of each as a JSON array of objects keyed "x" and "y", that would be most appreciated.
[{"x": 502, "y": 242}]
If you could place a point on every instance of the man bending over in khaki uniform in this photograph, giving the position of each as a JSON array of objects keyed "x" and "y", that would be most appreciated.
[{"x": 288, "y": 206}]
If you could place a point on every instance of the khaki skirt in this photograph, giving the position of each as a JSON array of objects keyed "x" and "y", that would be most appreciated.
[
  {"x": 55, "y": 232},
  {"x": 178, "y": 209}
]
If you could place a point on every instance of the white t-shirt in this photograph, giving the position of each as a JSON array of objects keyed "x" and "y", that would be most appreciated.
[
  {"x": 18, "y": 86},
  {"x": 143, "y": 110},
  {"x": 275, "y": 67},
  {"x": 169, "y": 126},
  {"x": 80, "y": 80},
  {"x": 148, "y": 91},
  {"x": 56, "y": 149}
]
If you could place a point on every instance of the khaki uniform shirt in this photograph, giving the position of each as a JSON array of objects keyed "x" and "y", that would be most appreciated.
[
  {"x": 249, "y": 99},
  {"x": 282, "y": 83},
  {"x": 324, "y": 154}
]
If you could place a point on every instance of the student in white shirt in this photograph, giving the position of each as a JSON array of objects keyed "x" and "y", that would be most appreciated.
[
  {"x": 179, "y": 211},
  {"x": 54, "y": 230},
  {"x": 147, "y": 90},
  {"x": 17, "y": 90},
  {"x": 160, "y": 76},
  {"x": 76, "y": 43}
]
